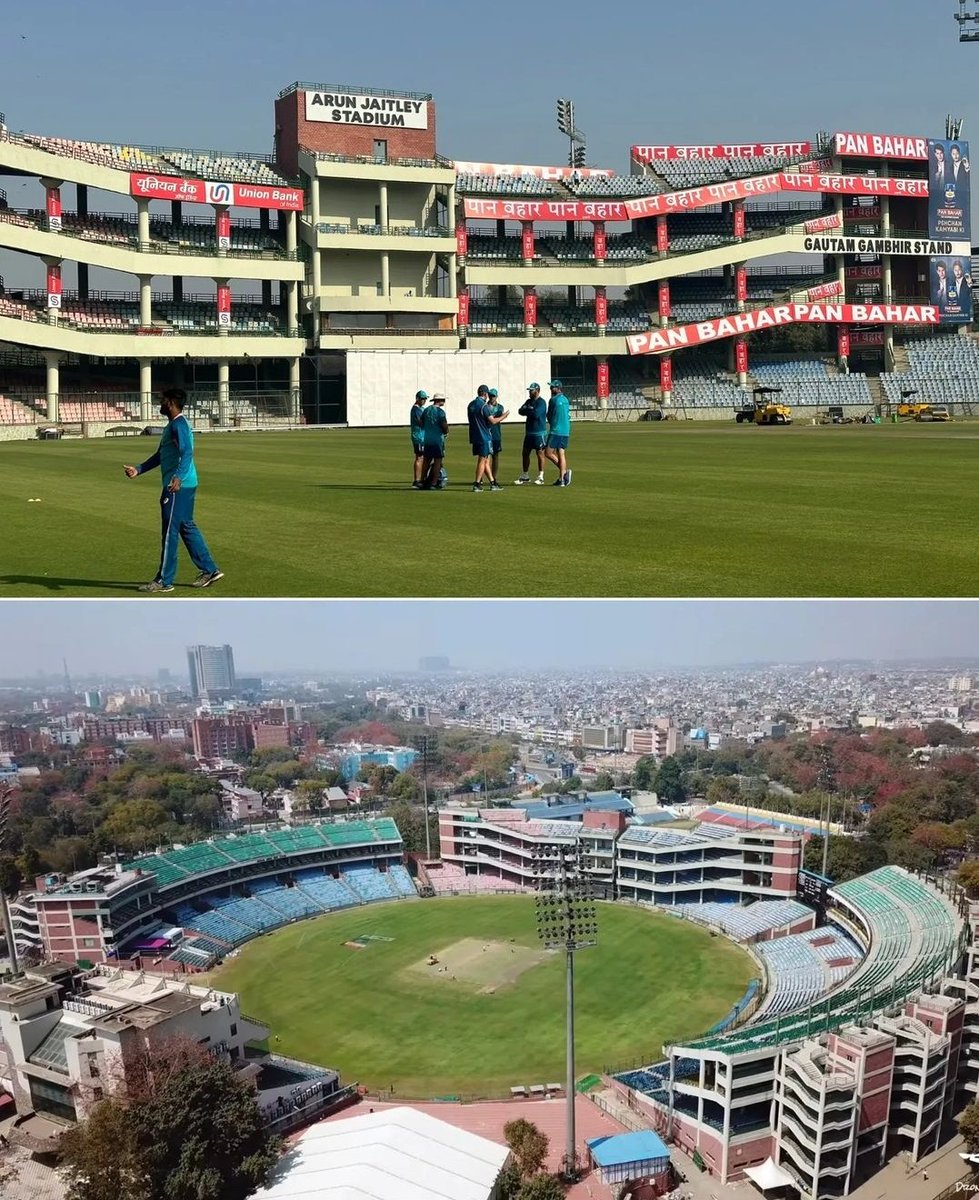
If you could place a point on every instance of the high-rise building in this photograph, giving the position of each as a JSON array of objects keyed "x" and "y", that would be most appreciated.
[
  {"x": 434, "y": 662},
  {"x": 212, "y": 671}
]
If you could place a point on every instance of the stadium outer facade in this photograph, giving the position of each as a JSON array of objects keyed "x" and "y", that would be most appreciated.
[{"x": 381, "y": 244}]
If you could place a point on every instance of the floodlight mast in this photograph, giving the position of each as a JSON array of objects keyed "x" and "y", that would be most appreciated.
[
  {"x": 6, "y": 792},
  {"x": 565, "y": 921},
  {"x": 968, "y": 23}
]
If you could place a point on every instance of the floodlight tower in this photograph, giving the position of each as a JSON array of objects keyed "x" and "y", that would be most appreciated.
[
  {"x": 5, "y": 794},
  {"x": 565, "y": 921},
  {"x": 968, "y": 23},
  {"x": 423, "y": 743},
  {"x": 577, "y": 149}
]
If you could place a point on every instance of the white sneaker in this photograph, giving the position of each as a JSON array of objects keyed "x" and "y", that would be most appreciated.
[
  {"x": 539, "y": 480},
  {"x": 522, "y": 479}
]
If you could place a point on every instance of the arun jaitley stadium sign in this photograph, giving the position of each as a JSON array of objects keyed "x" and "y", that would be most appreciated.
[{"x": 355, "y": 108}]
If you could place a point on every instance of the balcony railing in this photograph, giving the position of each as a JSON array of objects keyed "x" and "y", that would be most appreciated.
[
  {"x": 376, "y": 161},
  {"x": 107, "y": 238},
  {"x": 387, "y": 230}
]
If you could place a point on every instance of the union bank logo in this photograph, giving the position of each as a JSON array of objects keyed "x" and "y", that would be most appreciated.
[{"x": 217, "y": 193}]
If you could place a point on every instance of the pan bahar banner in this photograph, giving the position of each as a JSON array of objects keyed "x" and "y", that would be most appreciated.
[
  {"x": 951, "y": 289},
  {"x": 949, "y": 190},
  {"x": 657, "y": 341}
]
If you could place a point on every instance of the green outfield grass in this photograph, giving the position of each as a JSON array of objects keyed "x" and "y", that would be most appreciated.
[
  {"x": 655, "y": 510},
  {"x": 383, "y": 1018}
]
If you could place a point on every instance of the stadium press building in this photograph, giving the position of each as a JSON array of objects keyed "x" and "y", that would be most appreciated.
[{"x": 331, "y": 278}]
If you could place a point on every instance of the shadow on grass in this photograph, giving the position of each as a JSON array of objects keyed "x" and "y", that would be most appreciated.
[{"x": 55, "y": 584}]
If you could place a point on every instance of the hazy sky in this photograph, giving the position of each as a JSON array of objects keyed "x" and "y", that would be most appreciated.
[
  {"x": 196, "y": 73},
  {"x": 317, "y": 635}
]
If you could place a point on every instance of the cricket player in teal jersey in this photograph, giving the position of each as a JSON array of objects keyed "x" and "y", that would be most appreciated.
[
  {"x": 558, "y": 432},
  {"x": 435, "y": 430},
  {"x": 496, "y": 433},
  {"x": 535, "y": 433},
  {"x": 417, "y": 421},
  {"x": 175, "y": 458}
]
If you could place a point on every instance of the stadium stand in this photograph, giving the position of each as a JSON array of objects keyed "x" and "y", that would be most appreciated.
[
  {"x": 747, "y": 924},
  {"x": 912, "y": 938},
  {"x": 502, "y": 185},
  {"x": 614, "y": 185},
  {"x": 810, "y": 382},
  {"x": 944, "y": 367}
]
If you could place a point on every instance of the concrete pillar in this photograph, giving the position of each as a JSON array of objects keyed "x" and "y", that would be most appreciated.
[
  {"x": 292, "y": 305},
  {"x": 453, "y": 277},
  {"x": 146, "y": 300},
  {"x": 223, "y": 293},
  {"x": 385, "y": 275},
  {"x": 888, "y": 279},
  {"x": 145, "y": 390},
  {"x": 143, "y": 221},
  {"x": 295, "y": 407},
  {"x": 383, "y": 204},
  {"x": 222, "y": 228},
  {"x": 52, "y": 384},
  {"x": 224, "y": 392},
  {"x": 885, "y": 216},
  {"x": 317, "y": 274},
  {"x": 291, "y": 236}
]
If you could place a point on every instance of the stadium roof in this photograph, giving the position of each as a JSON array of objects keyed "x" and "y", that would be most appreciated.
[
  {"x": 396, "y": 1152},
  {"x": 625, "y": 1148},
  {"x": 575, "y": 809}
]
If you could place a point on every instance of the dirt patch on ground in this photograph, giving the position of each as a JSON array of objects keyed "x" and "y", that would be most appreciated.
[{"x": 487, "y": 967}]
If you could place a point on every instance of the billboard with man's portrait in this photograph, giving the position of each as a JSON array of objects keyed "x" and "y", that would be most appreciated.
[{"x": 949, "y": 190}]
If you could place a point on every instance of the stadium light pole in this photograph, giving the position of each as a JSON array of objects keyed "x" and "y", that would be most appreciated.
[
  {"x": 968, "y": 23},
  {"x": 422, "y": 743},
  {"x": 6, "y": 792},
  {"x": 566, "y": 921}
]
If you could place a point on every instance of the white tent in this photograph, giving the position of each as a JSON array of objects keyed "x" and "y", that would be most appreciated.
[
  {"x": 769, "y": 1175},
  {"x": 399, "y": 1153}
]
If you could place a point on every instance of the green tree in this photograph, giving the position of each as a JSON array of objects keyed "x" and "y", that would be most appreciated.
[
  {"x": 644, "y": 772},
  {"x": 100, "y": 1157},
  {"x": 722, "y": 790},
  {"x": 603, "y": 782},
  {"x": 261, "y": 782},
  {"x": 942, "y": 733},
  {"x": 508, "y": 1182},
  {"x": 11, "y": 876},
  {"x": 968, "y": 877},
  {"x": 542, "y": 1187},
  {"x": 184, "y": 1127},
  {"x": 668, "y": 784},
  {"x": 969, "y": 1127},
  {"x": 528, "y": 1144}
]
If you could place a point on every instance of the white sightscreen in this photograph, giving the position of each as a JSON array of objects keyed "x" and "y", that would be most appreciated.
[{"x": 381, "y": 384}]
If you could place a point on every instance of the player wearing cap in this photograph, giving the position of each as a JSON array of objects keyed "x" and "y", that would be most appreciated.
[
  {"x": 481, "y": 421},
  {"x": 535, "y": 434},
  {"x": 558, "y": 432},
  {"x": 496, "y": 433},
  {"x": 418, "y": 435},
  {"x": 435, "y": 428}
]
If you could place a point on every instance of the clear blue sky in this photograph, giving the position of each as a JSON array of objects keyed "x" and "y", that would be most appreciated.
[
  {"x": 317, "y": 635},
  {"x": 205, "y": 73}
]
